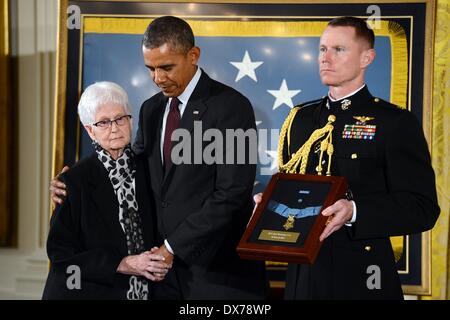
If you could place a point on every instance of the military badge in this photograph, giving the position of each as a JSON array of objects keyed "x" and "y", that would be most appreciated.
[
  {"x": 360, "y": 130},
  {"x": 362, "y": 119},
  {"x": 345, "y": 104}
]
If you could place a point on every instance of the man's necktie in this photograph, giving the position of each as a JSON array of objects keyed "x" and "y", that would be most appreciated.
[{"x": 173, "y": 119}]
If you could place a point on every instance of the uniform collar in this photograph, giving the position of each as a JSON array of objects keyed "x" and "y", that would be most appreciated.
[{"x": 359, "y": 96}]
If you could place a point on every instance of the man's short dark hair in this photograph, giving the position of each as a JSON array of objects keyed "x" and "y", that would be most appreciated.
[
  {"x": 362, "y": 30},
  {"x": 169, "y": 30}
]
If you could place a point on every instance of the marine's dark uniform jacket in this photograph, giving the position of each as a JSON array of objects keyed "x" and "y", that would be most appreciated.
[{"x": 393, "y": 186}]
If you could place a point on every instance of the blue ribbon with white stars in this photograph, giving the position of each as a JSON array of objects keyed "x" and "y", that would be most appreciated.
[{"x": 285, "y": 211}]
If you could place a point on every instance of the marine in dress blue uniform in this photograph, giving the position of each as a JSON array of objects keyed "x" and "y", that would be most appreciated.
[{"x": 382, "y": 151}]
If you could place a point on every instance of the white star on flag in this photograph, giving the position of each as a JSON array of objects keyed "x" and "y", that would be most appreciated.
[
  {"x": 283, "y": 95},
  {"x": 274, "y": 155},
  {"x": 246, "y": 67}
]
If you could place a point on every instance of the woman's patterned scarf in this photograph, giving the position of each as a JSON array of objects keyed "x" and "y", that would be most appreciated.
[{"x": 121, "y": 173}]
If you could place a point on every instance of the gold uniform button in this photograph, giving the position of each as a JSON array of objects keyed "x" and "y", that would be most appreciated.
[
  {"x": 376, "y": 99},
  {"x": 354, "y": 156},
  {"x": 367, "y": 248}
]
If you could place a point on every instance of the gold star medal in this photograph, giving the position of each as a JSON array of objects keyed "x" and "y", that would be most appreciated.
[{"x": 289, "y": 224}]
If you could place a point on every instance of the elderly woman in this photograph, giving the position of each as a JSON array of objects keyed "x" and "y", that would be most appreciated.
[{"x": 100, "y": 236}]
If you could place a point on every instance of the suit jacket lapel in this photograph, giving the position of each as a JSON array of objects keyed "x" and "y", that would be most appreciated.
[
  {"x": 155, "y": 162},
  {"x": 144, "y": 200},
  {"x": 193, "y": 112},
  {"x": 106, "y": 203},
  {"x": 196, "y": 105}
]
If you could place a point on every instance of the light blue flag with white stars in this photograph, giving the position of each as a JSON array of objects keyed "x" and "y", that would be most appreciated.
[{"x": 274, "y": 73}]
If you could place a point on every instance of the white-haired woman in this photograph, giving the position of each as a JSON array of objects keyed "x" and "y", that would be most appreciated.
[{"x": 100, "y": 237}]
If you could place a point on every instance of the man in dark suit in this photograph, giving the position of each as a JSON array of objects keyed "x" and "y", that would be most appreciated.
[
  {"x": 202, "y": 208},
  {"x": 382, "y": 152}
]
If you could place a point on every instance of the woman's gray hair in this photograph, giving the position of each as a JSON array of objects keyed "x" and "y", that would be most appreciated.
[{"x": 98, "y": 94}]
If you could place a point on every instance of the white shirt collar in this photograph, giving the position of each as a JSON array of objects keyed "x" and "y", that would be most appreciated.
[{"x": 184, "y": 97}]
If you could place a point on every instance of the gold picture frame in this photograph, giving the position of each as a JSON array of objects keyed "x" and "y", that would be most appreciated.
[
  {"x": 7, "y": 214},
  {"x": 419, "y": 16}
]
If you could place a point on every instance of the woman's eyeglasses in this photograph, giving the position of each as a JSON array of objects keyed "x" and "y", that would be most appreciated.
[{"x": 120, "y": 121}]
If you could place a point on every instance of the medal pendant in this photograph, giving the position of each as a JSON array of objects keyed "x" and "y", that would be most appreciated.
[{"x": 289, "y": 224}]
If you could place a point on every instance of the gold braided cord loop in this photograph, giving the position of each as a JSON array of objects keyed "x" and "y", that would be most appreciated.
[
  {"x": 330, "y": 151},
  {"x": 300, "y": 158},
  {"x": 286, "y": 127}
]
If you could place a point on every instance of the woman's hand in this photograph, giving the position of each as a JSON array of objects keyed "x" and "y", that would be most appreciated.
[{"x": 146, "y": 264}]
